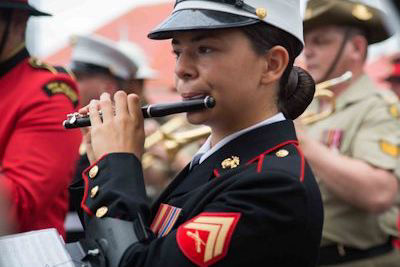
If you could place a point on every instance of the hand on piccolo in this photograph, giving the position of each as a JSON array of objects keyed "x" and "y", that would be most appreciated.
[{"x": 119, "y": 130}]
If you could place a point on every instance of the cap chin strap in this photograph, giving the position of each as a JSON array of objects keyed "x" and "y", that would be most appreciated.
[
  {"x": 339, "y": 55},
  {"x": 236, "y": 3},
  {"x": 6, "y": 32}
]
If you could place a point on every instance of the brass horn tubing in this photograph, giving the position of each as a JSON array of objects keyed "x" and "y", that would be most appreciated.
[
  {"x": 322, "y": 91},
  {"x": 165, "y": 129},
  {"x": 175, "y": 142},
  {"x": 335, "y": 81}
]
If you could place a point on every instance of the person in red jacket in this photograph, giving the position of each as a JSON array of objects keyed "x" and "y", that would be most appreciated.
[{"x": 37, "y": 156}]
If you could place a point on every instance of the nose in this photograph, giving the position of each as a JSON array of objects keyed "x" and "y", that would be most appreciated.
[
  {"x": 308, "y": 51},
  {"x": 185, "y": 68}
]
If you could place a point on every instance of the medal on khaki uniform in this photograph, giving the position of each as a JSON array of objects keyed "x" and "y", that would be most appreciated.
[{"x": 332, "y": 138}]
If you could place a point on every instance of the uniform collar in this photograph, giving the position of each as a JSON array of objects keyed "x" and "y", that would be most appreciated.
[
  {"x": 207, "y": 150},
  {"x": 359, "y": 90},
  {"x": 246, "y": 147},
  {"x": 10, "y": 63}
]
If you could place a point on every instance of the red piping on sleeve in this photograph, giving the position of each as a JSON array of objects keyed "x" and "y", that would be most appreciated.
[{"x": 86, "y": 190}]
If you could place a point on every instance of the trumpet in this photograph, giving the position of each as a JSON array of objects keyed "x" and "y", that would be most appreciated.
[{"x": 322, "y": 91}]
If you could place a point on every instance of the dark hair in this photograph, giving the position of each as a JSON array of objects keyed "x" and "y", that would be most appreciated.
[{"x": 297, "y": 87}]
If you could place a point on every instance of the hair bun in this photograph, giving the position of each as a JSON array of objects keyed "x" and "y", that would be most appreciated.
[{"x": 298, "y": 93}]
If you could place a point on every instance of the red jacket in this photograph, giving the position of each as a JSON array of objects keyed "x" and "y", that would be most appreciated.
[{"x": 37, "y": 156}]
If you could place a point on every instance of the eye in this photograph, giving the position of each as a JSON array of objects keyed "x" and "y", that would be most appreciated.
[
  {"x": 205, "y": 50},
  {"x": 322, "y": 40},
  {"x": 177, "y": 53}
]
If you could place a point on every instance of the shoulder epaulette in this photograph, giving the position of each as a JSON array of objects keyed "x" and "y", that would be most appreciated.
[
  {"x": 392, "y": 101},
  {"x": 38, "y": 64},
  {"x": 389, "y": 97},
  {"x": 61, "y": 87}
]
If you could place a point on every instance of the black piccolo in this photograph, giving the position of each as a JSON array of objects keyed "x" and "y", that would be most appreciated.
[{"x": 76, "y": 120}]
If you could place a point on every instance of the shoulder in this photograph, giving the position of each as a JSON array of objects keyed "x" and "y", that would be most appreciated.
[
  {"x": 384, "y": 106},
  {"x": 390, "y": 100},
  {"x": 53, "y": 80},
  {"x": 286, "y": 161}
]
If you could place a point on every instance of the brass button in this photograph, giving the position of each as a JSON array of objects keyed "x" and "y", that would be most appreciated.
[
  {"x": 93, "y": 171},
  {"x": 94, "y": 191},
  {"x": 282, "y": 153},
  {"x": 261, "y": 13},
  {"x": 101, "y": 212}
]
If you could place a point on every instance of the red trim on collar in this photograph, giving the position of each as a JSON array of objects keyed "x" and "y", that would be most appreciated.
[
  {"x": 216, "y": 173},
  {"x": 86, "y": 190}
]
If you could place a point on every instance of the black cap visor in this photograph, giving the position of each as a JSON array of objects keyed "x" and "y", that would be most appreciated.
[
  {"x": 198, "y": 19},
  {"x": 23, "y": 6}
]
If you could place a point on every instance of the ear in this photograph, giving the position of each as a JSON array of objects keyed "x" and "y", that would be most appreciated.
[
  {"x": 359, "y": 47},
  {"x": 276, "y": 61}
]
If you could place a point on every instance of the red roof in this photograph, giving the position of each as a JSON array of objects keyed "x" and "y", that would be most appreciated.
[{"x": 138, "y": 23}]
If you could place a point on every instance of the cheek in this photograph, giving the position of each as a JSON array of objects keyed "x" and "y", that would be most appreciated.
[
  {"x": 236, "y": 75},
  {"x": 90, "y": 87}
]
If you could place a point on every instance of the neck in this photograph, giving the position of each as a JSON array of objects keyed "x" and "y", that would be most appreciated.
[
  {"x": 9, "y": 53},
  {"x": 219, "y": 133}
]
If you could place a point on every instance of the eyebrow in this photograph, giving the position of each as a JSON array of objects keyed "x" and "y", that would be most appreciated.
[{"x": 198, "y": 38}]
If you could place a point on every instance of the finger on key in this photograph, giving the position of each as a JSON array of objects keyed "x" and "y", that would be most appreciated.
[
  {"x": 134, "y": 106},
  {"x": 107, "y": 110},
  {"x": 94, "y": 112},
  {"x": 121, "y": 106}
]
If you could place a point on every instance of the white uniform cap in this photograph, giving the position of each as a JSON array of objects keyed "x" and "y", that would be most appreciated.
[
  {"x": 138, "y": 58},
  {"x": 212, "y": 14},
  {"x": 98, "y": 51}
]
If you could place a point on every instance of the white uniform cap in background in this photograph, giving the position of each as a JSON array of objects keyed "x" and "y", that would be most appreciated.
[
  {"x": 138, "y": 58},
  {"x": 202, "y": 14},
  {"x": 102, "y": 52}
]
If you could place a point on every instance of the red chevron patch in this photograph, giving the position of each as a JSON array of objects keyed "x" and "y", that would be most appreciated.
[{"x": 205, "y": 239}]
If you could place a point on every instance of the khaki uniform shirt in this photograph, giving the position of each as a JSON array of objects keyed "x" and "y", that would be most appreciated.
[{"x": 361, "y": 128}]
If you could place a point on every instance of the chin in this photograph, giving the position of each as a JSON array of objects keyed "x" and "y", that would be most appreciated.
[
  {"x": 316, "y": 76},
  {"x": 197, "y": 117}
]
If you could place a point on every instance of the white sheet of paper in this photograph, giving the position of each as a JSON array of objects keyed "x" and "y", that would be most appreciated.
[{"x": 42, "y": 248}]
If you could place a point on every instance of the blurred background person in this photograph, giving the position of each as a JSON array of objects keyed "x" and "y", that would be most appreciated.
[
  {"x": 99, "y": 66},
  {"x": 37, "y": 156},
  {"x": 144, "y": 71},
  {"x": 102, "y": 65},
  {"x": 350, "y": 151}
]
